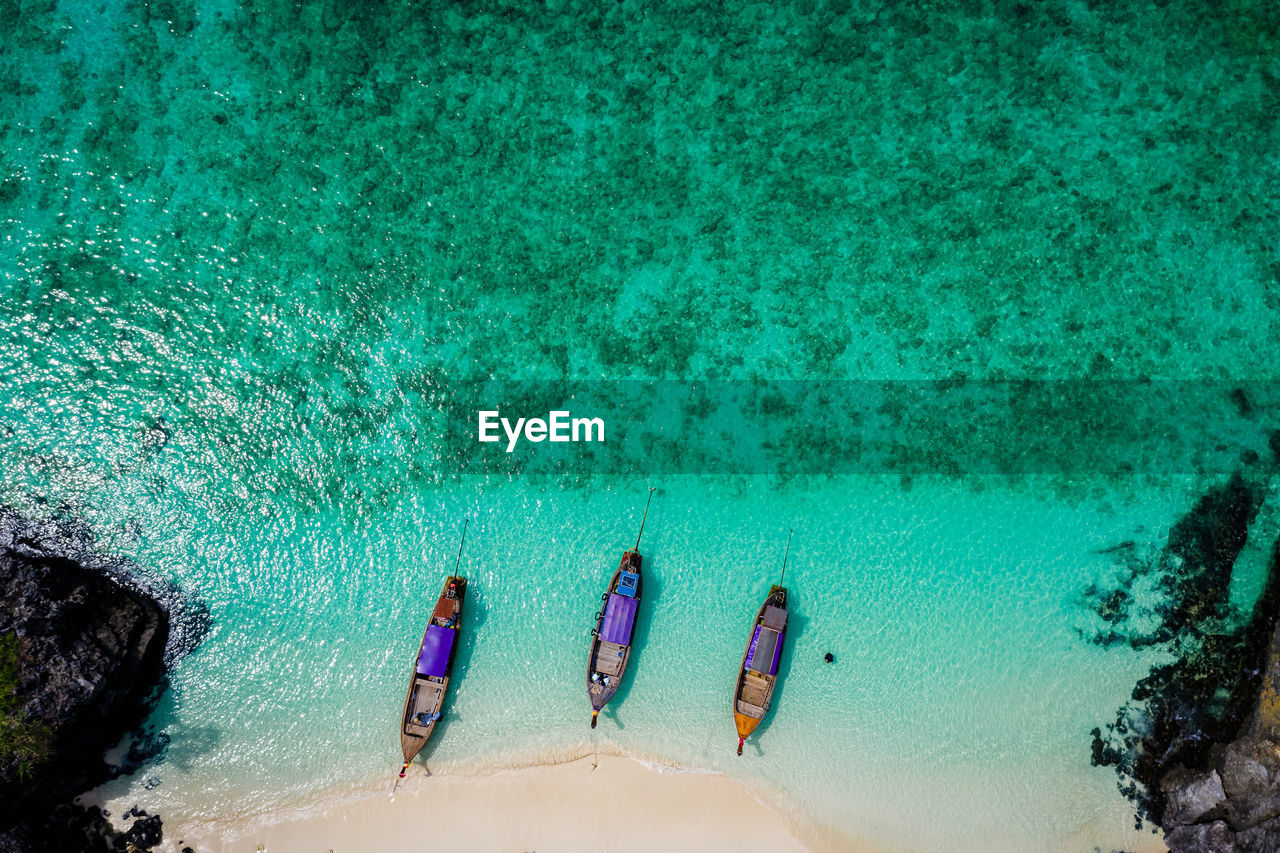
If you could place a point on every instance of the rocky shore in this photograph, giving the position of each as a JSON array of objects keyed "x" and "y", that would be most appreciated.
[
  {"x": 1230, "y": 802},
  {"x": 82, "y": 662},
  {"x": 1197, "y": 747}
]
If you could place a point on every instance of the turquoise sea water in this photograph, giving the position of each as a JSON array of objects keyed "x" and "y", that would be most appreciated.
[{"x": 961, "y": 293}]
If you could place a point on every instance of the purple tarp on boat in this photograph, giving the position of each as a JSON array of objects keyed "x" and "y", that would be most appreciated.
[
  {"x": 619, "y": 615},
  {"x": 761, "y": 642},
  {"x": 434, "y": 657}
]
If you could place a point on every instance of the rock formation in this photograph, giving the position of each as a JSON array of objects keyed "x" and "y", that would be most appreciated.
[
  {"x": 90, "y": 657},
  {"x": 82, "y": 661},
  {"x": 1231, "y": 802}
]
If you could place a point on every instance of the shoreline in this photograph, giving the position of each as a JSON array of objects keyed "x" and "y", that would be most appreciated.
[
  {"x": 560, "y": 804},
  {"x": 577, "y": 804}
]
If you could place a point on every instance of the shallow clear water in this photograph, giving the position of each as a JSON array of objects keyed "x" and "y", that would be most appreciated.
[
  {"x": 960, "y": 693},
  {"x": 260, "y": 269}
]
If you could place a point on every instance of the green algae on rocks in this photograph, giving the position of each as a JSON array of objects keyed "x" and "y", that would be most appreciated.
[{"x": 24, "y": 743}]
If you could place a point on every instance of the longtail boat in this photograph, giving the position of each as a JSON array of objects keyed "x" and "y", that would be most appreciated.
[
  {"x": 615, "y": 624},
  {"x": 424, "y": 702},
  {"x": 758, "y": 675}
]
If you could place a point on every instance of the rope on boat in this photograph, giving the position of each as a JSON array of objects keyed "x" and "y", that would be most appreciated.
[
  {"x": 646, "y": 515},
  {"x": 785, "y": 554},
  {"x": 396, "y": 786},
  {"x": 458, "y": 562}
]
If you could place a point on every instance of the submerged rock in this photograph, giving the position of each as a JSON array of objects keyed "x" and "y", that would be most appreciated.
[{"x": 1193, "y": 570}]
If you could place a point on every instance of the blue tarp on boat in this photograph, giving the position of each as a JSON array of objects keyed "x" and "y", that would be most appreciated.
[
  {"x": 437, "y": 646},
  {"x": 628, "y": 584},
  {"x": 765, "y": 649},
  {"x": 619, "y": 616}
]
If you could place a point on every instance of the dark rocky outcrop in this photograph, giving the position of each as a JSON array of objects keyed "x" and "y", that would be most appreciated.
[
  {"x": 90, "y": 658},
  {"x": 71, "y": 828},
  {"x": 83, "y": 653}
]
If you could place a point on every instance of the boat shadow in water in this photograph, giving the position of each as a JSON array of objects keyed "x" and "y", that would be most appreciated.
[
  {"x": 797, "y": 624},
  {"x": 650, "y": 598},
  {"x": 474, "y": 614}
]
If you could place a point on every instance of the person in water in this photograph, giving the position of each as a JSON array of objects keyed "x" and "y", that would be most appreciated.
[{"x": 829, "y": 658}]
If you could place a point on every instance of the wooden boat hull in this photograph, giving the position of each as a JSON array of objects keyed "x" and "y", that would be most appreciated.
[
  {"x": 607, "y": 661},
  {"x": 758, "y": 677},
  {"x": 429, "y": 682}
]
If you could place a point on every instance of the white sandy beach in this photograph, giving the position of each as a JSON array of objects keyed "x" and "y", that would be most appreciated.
[{"x": 605, "y": 803}]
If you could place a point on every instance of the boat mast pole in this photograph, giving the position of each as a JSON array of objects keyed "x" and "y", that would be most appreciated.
[
  {"x": 642, "y": 520},
  {"x": 784, "y": 556}
]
